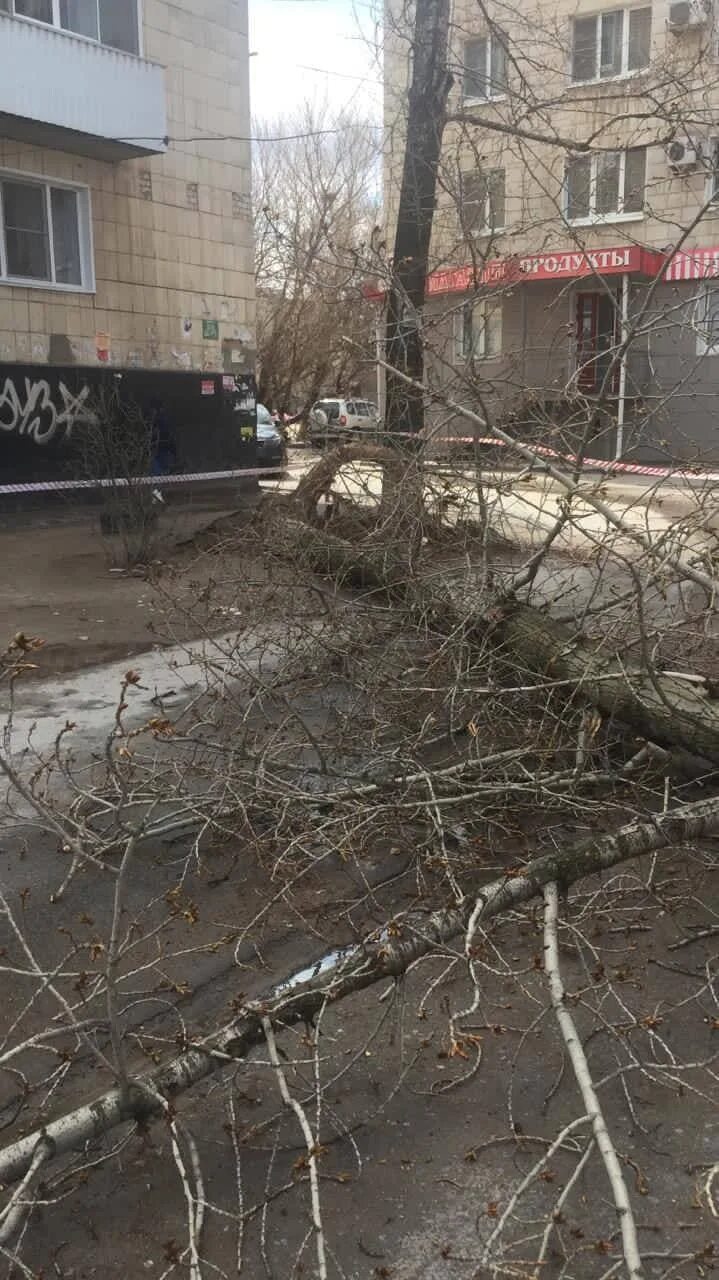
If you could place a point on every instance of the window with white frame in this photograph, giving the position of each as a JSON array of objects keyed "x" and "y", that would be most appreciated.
[
  {"x": 612, "y": 43},
  {"x": 111, "y": 22},
  {"x": 44, "y": 233},
  {"x": 484, "y": 67},
  {"x": 477, "y": 330},
  {"x": 707, "y": 319},
  {"x": 482, "y": 201},
  {"x": 605, "y": 186}
]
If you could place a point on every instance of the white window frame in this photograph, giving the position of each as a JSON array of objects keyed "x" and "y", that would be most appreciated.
[
  {"x": 489, "y": 39},
  {"x": 704, "y": 347},
  {"x": 601, "y": 219},
  {"x": 77, "y": 35},
  {"x": 625, "y": 73},
  {"x": 85, "y": 236},
  {"x": 482, "y": 309},
  {"x": 485, "y": 228}
]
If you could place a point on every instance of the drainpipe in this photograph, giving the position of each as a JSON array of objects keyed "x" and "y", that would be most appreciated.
[
  {"x": 624, "y": 319},
  {"x": 378, "y": 334},
  {"x": 523, "y": 313}
]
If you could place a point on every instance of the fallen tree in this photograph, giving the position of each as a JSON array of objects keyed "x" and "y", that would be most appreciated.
[
  {"x": 386, "y": 954},
  {"x": 383, "y": 664},
  {"x": 665, "y": 709}
]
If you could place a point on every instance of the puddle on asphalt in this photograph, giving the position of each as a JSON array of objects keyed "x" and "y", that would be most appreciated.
[{"x": 330, "y": 960}]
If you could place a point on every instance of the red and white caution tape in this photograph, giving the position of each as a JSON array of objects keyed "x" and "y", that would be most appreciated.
[
  {"x": 161, "y": 482},
  {"x": 157, "y": 482},
  {"x": 595, "y": 464}
]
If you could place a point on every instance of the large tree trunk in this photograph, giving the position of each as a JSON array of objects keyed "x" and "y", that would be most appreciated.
[
  {"x": 664, "y": 709},
  {"x": 381, "y": 956},
  {"x": 672, "y": 712},
  {"x": 425, "y": 124}
]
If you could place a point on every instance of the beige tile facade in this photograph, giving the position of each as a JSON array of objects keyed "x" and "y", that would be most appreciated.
[
  {"x": 678, "y": 94},
  {"x": 172, "y": 233},
  {"x": 672, "y": 383}
]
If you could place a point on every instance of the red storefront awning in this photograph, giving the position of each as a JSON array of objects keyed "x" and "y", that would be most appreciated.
[
  {"x": 570, "y": 264},
  {"x": 693, "y": 264},
  {"x": 565, "y": 264}
]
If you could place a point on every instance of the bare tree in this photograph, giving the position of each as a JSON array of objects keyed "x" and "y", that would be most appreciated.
[
  {"x": 429, "y": 87},
  {"x": 316, "y": 196}
]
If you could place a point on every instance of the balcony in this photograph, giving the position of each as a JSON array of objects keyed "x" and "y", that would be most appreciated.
[{"x": 63, "y": 91}]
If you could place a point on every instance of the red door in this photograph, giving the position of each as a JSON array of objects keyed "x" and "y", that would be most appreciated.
[{"x": 597, "y": 336}]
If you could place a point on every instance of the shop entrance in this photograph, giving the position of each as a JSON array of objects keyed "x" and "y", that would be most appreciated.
[{"x": 596, "y": 338}]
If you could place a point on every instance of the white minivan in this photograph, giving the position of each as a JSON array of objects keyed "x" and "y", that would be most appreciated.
[{"x": 335, "y": 419}]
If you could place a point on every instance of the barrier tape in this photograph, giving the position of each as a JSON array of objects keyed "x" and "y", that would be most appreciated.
[
  {"x": 569, "y": 460},
  {"x": 595, "y": 464},
  {"x": 157, "y": 482},
  {"x": 161, "y": 482}
]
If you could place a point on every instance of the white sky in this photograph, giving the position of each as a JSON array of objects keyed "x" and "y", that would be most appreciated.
[{"x": 321, "y": 50}]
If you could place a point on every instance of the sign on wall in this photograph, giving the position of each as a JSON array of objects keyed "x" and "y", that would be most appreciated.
[
  {"x": 210, "y": 329},
  {"x": 562, "y": 265}
]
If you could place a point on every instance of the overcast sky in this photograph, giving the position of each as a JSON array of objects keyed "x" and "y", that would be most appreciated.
[{"x": 323, "y": 50}]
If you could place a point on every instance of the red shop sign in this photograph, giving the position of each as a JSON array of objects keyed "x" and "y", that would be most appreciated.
[{"x": 565, "y": 264}]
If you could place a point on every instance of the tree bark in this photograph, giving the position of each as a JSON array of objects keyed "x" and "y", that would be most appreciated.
[
  {"x": 383, "y": 955},
  {"x": 664, "y": 709},
  {"x": 425, "y": 124}
]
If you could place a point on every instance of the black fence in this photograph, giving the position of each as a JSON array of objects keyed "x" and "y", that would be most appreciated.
[{"x": 55, "y": 426}]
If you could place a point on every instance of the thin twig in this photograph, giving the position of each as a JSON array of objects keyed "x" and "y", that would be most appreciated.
[
  {"x": 311, "y": 1143},
  {"x": 584, "y": 1080}
]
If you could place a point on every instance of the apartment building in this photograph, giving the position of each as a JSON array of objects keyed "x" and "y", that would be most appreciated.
[
  {"x": 126, "y": 259},
  {"x": 575, "y": 254}
]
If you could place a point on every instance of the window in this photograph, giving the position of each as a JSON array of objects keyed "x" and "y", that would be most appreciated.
[
  {"x": 603, "y": 187},
  {"x": 477, "y": 330},
  {"x": 44, "y": 233},
  {"x": 118, "y": 24},
  {"x": 611, "y": 43},
  {"x": 482, "y": 199},
  {"x": 330, "y": 408},
  {"x": 707, "y": 320},
  {"x": 40, "y": 10},
  {"x": 80, "y": 16},
  {"x": 111, "y": 22},
  {"x": 485, "y": 67}
]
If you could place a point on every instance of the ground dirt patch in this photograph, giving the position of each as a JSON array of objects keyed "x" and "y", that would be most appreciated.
[{"x": 58, "y": 582}]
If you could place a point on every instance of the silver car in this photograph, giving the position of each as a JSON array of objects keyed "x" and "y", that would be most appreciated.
[{"x": 336, "y": 419}]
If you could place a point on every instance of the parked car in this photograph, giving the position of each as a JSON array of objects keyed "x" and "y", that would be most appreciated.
[
  {"x": 336, "y": 419},
  {"x": 271, "y": 450}
]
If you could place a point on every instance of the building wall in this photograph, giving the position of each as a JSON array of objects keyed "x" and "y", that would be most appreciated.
[
  {"x": 682, "y": 82},
  {"x": 672, "y": 402},
  {"x": 172, "y": 233}
]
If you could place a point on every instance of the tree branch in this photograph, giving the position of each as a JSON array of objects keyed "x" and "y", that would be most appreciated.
[
  {"x": 382, "y": 955},
  {"x": 583, "y": 1077}
]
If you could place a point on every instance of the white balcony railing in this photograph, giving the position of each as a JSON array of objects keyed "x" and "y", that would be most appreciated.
[{"x": 61, "y": 90}]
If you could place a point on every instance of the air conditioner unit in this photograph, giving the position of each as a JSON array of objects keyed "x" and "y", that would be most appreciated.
[
  {"x": 683, "y": 153},
  {"x": 685, "y": 15}
]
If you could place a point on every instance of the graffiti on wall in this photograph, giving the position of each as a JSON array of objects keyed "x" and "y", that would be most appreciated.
[{"x": 33, "y": 411}]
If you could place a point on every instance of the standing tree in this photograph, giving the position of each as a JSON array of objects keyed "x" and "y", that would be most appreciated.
[
  {"x": 316, "y": 193},
  {"x": 430, "y": 82}
]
